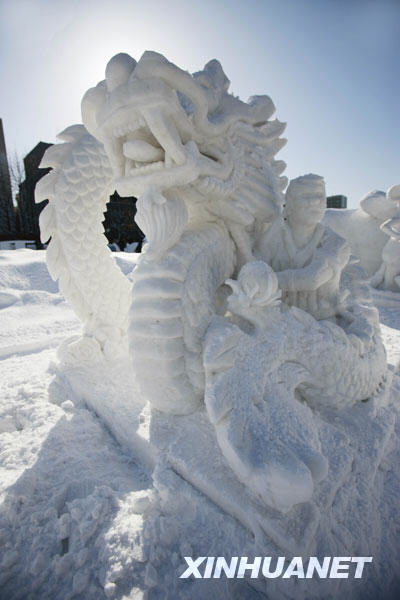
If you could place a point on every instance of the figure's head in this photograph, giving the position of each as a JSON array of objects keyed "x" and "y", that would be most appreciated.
[{"x": 306, "y": 199}]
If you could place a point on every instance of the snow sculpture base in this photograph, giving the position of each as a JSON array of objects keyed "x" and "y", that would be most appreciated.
[{"x": 187, "y": 446}]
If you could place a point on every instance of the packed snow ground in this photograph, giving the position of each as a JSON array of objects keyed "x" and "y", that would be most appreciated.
[
  {"x": 68, "y": 491},
  {"x": 79, "y": 517}
]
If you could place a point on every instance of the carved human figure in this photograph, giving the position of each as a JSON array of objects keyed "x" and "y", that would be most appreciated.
[
  {"x": 388, "y": 275},
  {"x": 307, "y": 257}
]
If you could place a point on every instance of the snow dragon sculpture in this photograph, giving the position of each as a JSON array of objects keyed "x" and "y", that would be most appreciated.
[{"x": 202, "y": 164}]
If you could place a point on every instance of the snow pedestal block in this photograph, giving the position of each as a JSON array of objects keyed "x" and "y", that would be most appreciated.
[
  {"x": 194, "y": 454},
  {"x": 354, "y": 448},
  {"x": 108, "y": 388}
]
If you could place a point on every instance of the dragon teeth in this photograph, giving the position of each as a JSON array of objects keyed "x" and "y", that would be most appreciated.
[
  {"x": 168, "y": 160},
  {"x": 138, "y": 170},
  {"x": 122, "y": 130}
]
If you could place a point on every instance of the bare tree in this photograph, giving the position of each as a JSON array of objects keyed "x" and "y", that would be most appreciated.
[
  {"x": 11, "y": 175},
  {"x": 17, "y": 172}
]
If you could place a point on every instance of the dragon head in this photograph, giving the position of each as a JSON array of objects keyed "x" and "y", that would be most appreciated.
[{"x": 167, "y": 131}]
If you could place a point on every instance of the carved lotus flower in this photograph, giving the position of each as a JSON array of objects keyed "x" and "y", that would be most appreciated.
[{"x": 256, "y": 287}]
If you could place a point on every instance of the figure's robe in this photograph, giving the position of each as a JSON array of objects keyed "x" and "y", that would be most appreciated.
[{"x": 308, "y": 276}]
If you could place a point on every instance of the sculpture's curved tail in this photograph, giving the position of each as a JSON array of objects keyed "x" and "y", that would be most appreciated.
[{"x": 78, "y": 189}]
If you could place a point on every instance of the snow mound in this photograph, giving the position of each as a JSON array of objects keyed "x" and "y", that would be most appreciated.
[{"x": 92, "y": 507}]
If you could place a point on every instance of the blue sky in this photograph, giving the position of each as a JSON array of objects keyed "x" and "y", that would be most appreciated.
[{"x": 332, "y": 68}]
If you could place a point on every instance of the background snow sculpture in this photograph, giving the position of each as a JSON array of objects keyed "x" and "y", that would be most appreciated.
[
  {"x": 361, "y": 228},
  {"x": 388, "y": 275}
]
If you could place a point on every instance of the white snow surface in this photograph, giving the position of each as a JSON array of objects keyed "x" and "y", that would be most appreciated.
[{"x": 81, "y": 516}]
